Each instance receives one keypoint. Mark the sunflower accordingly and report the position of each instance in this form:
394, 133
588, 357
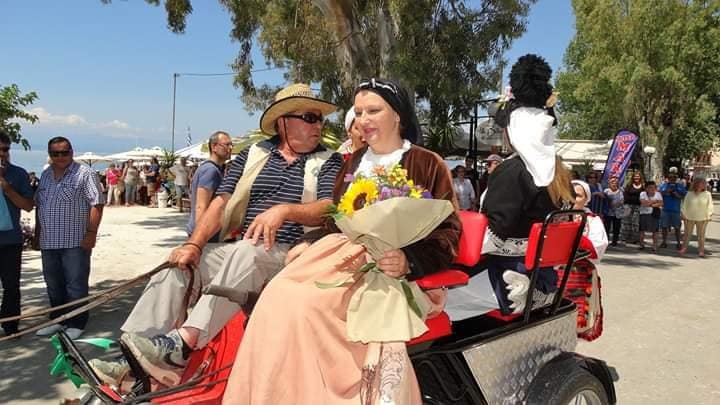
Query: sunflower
361, 193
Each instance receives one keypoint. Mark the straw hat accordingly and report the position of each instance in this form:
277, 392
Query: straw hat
292, 98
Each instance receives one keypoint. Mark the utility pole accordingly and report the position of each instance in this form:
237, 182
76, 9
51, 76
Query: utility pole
172, 145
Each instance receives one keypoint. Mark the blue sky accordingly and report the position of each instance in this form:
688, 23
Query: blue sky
103, 73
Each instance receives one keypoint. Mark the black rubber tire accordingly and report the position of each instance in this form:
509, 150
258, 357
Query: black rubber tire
559, 383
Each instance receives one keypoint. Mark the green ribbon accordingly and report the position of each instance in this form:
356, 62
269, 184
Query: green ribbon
372, 267
61, 364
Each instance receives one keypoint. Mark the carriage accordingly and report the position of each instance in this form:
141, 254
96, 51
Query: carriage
525, 358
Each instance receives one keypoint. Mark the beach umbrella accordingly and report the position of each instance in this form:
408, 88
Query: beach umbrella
137, 154
90, 158
155, 152
195, 151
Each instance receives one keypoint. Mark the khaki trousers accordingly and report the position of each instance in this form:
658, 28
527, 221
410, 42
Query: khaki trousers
240, 265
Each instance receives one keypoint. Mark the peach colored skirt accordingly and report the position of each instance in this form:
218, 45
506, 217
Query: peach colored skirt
295, 350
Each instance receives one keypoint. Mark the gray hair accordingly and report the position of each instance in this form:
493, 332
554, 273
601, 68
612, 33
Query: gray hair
215, 138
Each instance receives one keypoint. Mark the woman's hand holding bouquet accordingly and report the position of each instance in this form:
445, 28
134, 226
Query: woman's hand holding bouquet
384, 213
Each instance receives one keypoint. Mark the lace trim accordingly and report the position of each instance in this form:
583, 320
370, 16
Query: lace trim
495, 245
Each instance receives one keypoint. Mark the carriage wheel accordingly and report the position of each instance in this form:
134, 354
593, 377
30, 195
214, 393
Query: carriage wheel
558, 384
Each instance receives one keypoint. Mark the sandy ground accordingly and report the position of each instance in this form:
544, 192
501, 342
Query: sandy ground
662, 323
131, 241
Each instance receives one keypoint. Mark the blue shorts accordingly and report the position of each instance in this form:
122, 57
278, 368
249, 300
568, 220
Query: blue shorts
670, 219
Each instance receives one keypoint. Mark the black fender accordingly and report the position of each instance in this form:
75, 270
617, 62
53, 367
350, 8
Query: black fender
596, 367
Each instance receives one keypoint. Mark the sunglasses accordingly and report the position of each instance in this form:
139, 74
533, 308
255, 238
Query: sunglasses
310, 118
58, 153
4, 148
375, 84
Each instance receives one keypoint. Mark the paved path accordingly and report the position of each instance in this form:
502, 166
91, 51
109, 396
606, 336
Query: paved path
662, 323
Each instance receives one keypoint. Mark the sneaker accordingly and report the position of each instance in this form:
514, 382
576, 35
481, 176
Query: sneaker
162, 356
74, 333
110, 372
49, 330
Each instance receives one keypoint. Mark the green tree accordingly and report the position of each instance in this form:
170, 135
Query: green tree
447, 52
646, 65
12, 102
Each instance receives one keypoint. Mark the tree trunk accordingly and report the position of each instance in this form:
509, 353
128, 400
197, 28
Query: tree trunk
354, 55
655, 135
351, 52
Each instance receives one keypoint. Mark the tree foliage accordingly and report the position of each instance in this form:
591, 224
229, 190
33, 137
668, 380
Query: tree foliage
647, 65
447, 52
12, 102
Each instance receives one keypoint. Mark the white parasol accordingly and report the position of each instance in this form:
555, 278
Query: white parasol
90, 158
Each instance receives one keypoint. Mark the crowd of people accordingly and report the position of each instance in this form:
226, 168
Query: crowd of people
129, 183
643, 208
631, 213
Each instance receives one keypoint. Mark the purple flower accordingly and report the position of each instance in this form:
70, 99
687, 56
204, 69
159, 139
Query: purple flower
385, 193
426, 194
349, 178
396, 193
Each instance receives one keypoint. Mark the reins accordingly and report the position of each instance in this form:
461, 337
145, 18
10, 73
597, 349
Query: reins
93, 301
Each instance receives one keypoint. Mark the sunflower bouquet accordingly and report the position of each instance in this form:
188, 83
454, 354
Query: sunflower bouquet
383, 185
382, 212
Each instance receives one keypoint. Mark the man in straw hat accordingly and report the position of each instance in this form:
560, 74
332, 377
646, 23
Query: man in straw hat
271, 191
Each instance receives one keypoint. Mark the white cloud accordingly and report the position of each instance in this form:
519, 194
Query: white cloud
117, 124
47, 118
79, 124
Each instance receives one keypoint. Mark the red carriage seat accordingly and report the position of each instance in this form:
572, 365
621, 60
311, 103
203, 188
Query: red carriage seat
211, 362
557, 246
469, 254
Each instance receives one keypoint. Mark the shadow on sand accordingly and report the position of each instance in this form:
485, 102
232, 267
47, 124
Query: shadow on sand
25, 363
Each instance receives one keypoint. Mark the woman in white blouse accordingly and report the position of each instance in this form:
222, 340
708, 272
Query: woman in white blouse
464, 190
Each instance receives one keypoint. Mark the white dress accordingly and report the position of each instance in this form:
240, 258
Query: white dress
464, 192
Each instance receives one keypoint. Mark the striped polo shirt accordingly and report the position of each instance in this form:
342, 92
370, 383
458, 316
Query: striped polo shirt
280, 183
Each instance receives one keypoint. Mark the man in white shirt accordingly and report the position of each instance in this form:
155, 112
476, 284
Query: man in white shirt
180, 171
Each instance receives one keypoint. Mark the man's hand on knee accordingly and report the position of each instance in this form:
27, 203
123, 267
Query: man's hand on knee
266, 225
185, 256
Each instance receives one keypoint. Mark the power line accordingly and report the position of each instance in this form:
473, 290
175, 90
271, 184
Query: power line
176, 75
226, 73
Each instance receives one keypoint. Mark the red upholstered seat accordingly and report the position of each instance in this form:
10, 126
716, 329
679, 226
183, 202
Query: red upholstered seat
557, 247
438, 327
469, 254
220, 352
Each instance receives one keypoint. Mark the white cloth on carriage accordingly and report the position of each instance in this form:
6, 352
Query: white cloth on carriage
478, 296
595, 232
